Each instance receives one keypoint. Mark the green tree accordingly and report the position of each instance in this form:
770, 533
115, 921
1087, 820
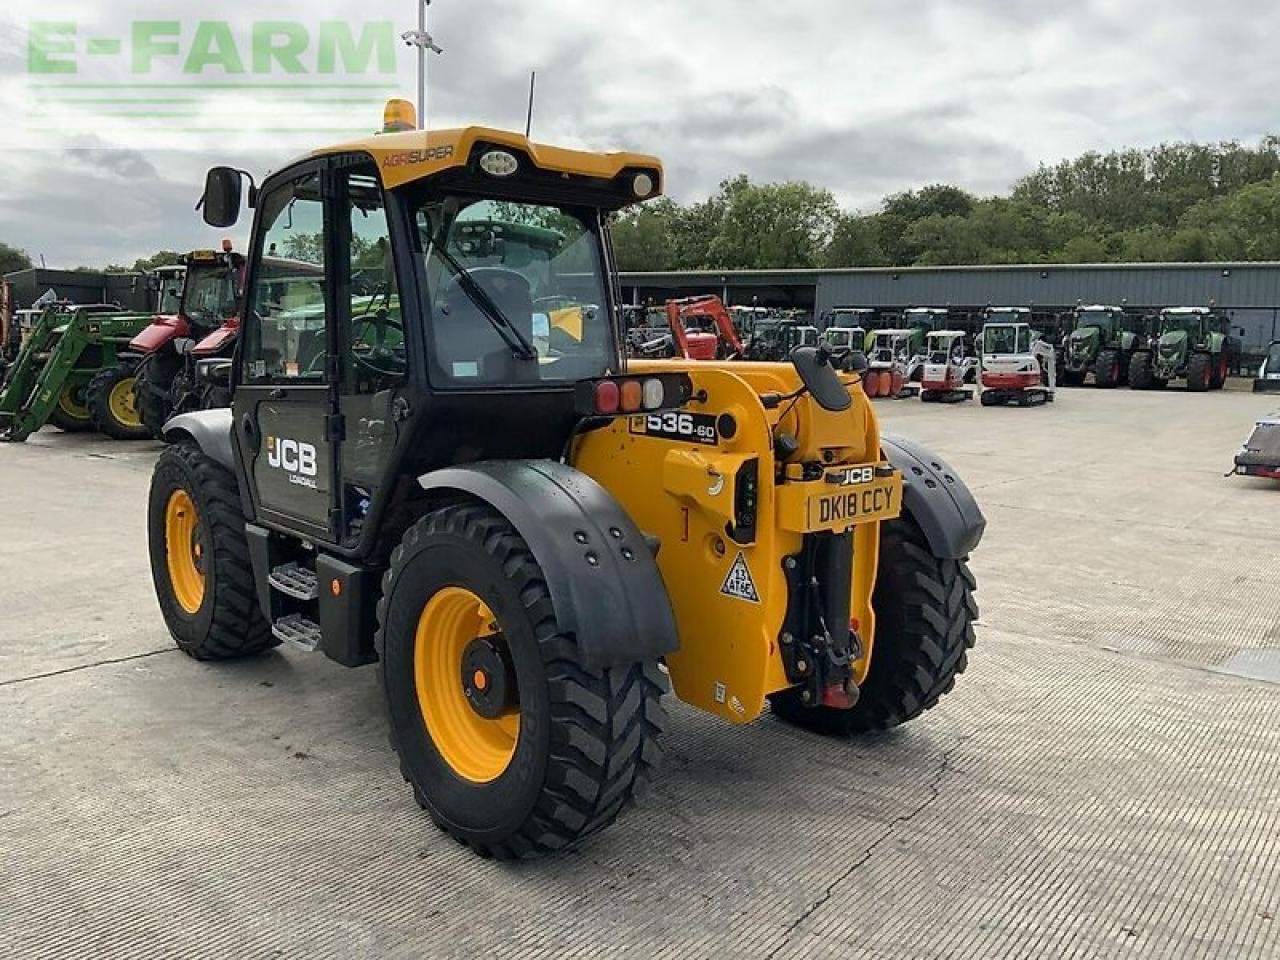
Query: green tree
164, 258
773, 225
855, 242
1244, 225
11, 259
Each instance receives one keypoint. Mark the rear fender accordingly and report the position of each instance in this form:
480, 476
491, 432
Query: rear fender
616, 607
217, 342
158, 333
937, 499
210, 430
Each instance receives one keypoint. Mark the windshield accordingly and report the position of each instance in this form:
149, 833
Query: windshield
1102, 319
540, 267
210, 293
1189, 322
999, 340
1273, 359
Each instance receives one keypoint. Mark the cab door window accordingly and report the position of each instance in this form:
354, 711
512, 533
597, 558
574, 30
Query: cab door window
285, 339
374, 356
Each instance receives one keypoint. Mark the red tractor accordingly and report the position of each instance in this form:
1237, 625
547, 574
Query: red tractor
703, 329
205, 327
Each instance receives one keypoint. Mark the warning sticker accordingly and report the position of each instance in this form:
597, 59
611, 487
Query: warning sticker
738, 582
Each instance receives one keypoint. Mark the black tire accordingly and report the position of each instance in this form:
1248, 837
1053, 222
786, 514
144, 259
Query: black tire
925, 612
65, 420
154, 380
1198, 372
228, 623
1073, 378
587, 741
101, 411
1106, 369
1220, 369
1141, 376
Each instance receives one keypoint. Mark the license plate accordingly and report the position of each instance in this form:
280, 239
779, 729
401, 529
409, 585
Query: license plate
835, 505
847, 506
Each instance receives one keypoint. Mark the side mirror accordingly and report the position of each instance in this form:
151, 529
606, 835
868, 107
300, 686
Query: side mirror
221, 200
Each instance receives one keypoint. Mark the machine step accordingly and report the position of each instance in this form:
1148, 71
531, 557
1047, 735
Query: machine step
294, 580
298, 630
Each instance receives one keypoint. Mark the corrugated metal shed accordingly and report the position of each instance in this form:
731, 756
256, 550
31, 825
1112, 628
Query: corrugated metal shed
1248, 292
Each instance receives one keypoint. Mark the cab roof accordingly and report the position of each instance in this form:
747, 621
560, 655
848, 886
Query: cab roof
416, 154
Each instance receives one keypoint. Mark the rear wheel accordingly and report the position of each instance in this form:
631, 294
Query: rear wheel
511, 742
71, 412
924, 629
1106, 369
154, 380
1141, 376
112, 407
1199, 372
200, 558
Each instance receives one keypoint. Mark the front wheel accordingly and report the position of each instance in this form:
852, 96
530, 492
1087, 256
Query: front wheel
1199, 374
1106, 369
925, 612
70, 413
512, 743
1141, 376
200, 558
112, 407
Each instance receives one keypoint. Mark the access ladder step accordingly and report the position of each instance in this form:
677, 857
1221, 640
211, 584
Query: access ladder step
298, 630
294, 580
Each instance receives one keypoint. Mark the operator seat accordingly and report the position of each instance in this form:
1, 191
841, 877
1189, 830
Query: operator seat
465, 345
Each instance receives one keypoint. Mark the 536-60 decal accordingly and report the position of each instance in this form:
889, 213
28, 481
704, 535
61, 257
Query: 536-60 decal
690, 427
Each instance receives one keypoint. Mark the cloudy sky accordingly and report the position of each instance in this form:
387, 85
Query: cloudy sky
865, 97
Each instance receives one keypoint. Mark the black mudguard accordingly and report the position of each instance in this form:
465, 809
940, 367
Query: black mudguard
936, 498
617, 606
209, 429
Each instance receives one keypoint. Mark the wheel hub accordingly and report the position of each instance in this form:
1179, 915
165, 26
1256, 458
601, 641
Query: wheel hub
487, 677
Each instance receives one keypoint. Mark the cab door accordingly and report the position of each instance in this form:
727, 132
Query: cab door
284, 406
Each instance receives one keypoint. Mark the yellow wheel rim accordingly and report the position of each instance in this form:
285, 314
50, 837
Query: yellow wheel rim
184, 551
478, 748
71, 401
120, 402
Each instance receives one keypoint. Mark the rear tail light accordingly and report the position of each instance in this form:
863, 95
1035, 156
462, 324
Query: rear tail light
606, 397
653, 394
632, 396
627, 395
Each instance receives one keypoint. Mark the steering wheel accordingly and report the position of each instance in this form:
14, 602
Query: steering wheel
379, 359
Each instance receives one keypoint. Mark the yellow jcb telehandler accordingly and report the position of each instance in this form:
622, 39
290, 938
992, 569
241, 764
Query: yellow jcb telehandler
438, 459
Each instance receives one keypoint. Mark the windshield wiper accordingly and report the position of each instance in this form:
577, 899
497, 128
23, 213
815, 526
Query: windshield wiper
516, 341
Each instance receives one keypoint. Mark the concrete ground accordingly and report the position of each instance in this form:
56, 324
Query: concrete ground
1103, 782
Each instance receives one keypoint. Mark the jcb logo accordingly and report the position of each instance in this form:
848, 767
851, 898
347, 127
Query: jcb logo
292, 456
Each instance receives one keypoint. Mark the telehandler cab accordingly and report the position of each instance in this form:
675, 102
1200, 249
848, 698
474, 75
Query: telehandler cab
530, 535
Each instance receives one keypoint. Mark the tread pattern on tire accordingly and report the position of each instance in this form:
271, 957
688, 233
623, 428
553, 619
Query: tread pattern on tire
238, 627
1198, 373
911, 676
605, 723
1141, 376
98, 396
152, 407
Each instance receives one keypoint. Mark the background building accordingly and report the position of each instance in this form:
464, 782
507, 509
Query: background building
1249, 293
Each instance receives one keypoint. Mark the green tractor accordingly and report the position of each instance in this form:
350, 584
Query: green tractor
920, 322
1102, 343
1190, 342
68, 373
